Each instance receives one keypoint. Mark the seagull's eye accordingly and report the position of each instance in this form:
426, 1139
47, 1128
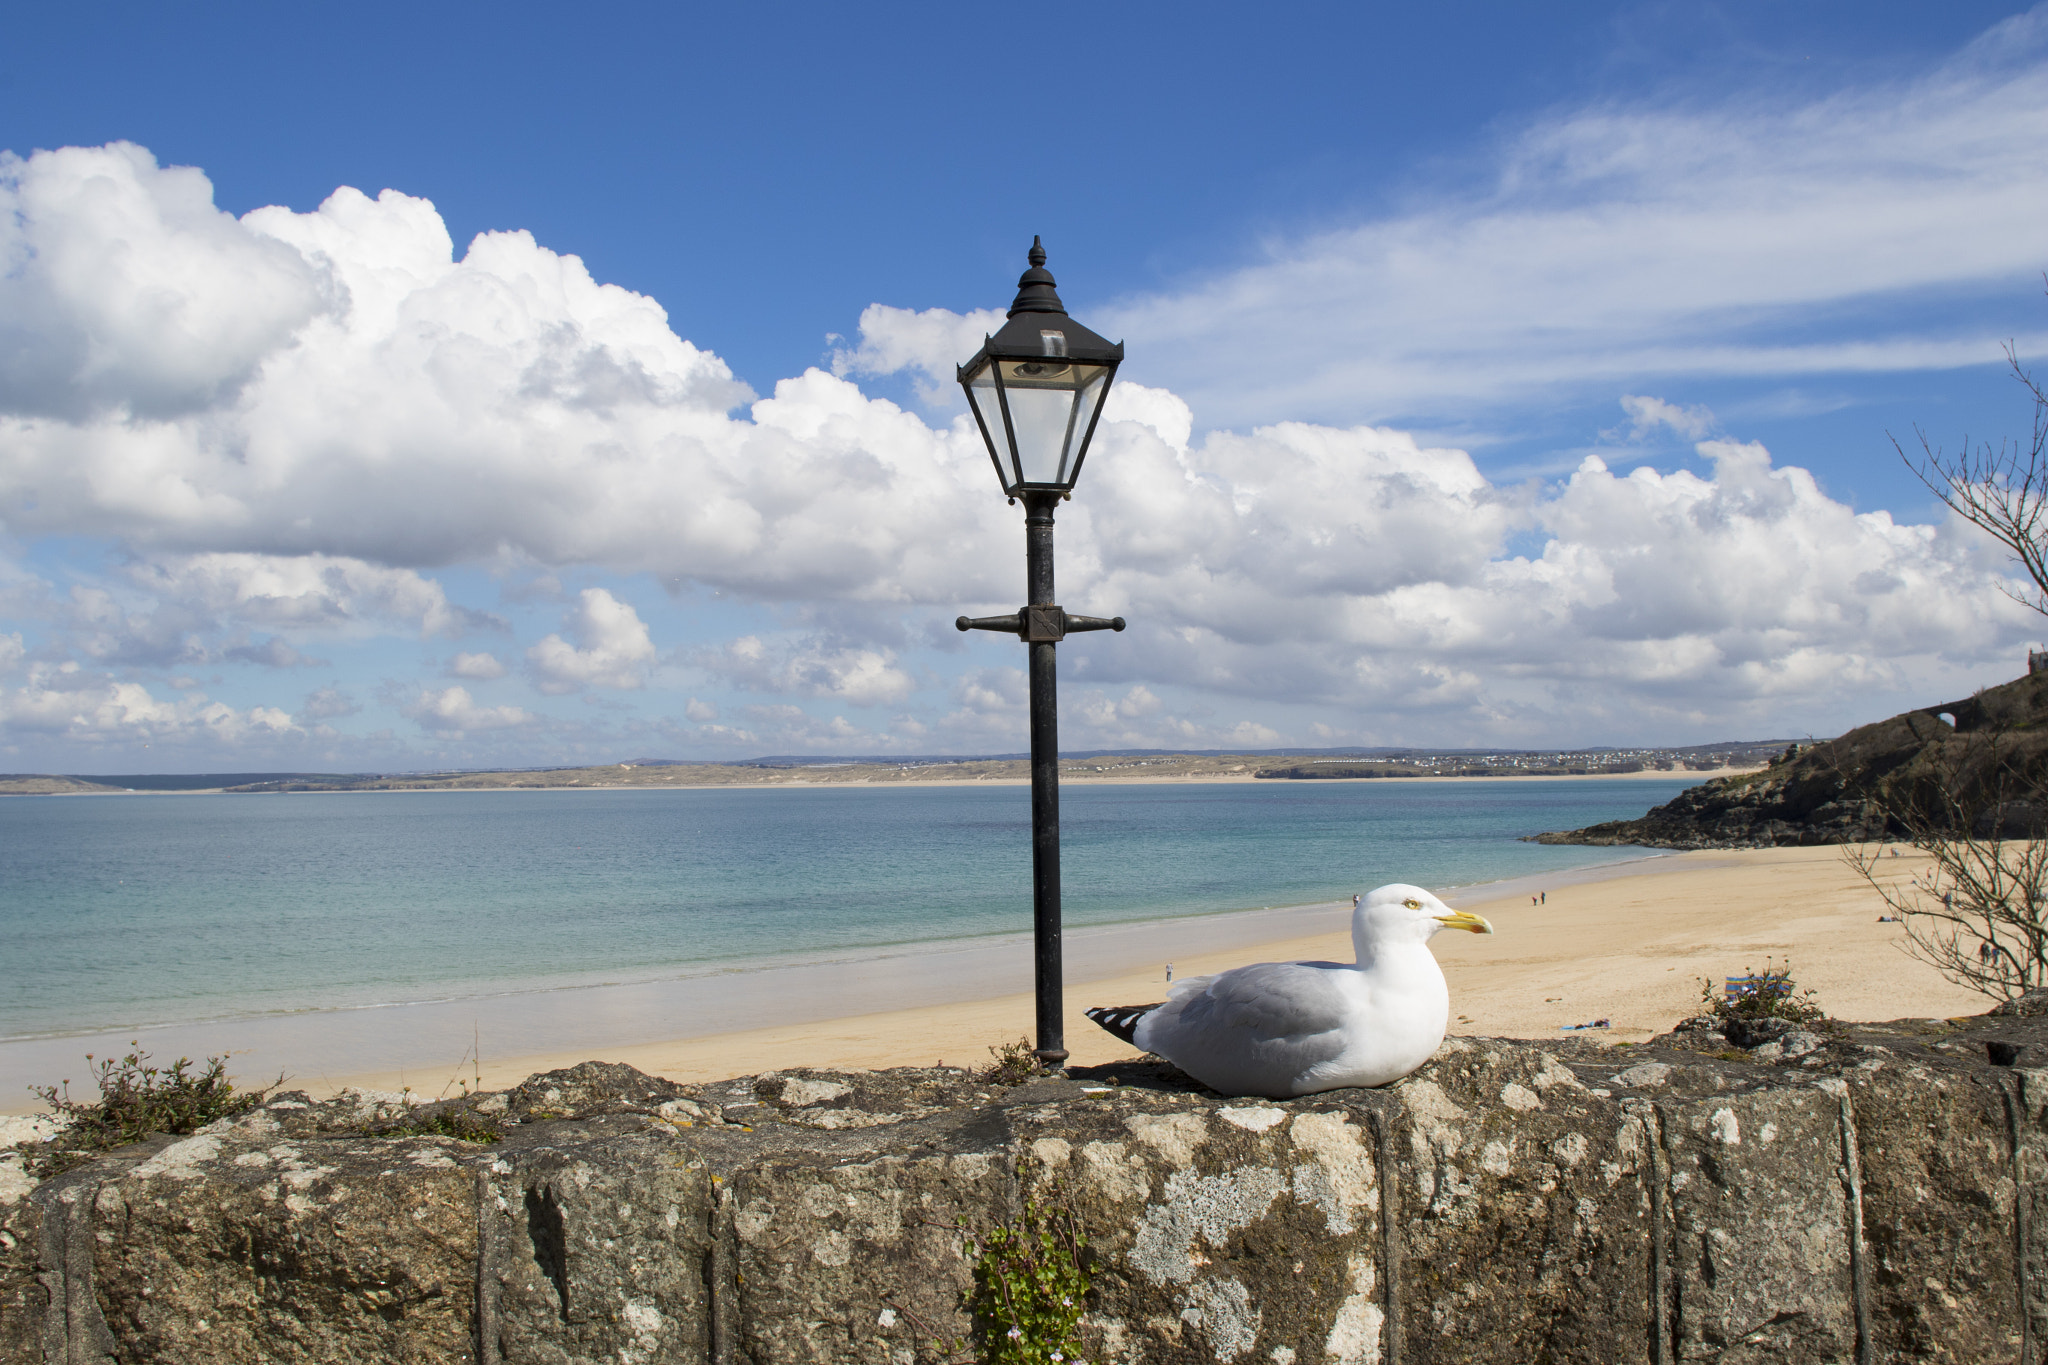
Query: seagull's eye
1412, 904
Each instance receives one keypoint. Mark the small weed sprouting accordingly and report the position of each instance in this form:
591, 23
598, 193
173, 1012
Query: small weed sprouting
136, 1100
413, 1119
1031, 1286
1768, 994
1014, 1064
463, 1123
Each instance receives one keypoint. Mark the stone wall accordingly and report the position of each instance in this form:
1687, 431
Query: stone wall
1878, 1200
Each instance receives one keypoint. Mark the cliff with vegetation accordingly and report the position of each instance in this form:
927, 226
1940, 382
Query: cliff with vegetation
1864, 1193
1983, 761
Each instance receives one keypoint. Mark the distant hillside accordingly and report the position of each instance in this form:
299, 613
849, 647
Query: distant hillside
1148, 765
1537, 762
1986, 756
58, 784
49, 784
760, 773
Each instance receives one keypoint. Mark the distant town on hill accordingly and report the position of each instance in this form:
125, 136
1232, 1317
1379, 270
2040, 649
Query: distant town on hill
1125, 765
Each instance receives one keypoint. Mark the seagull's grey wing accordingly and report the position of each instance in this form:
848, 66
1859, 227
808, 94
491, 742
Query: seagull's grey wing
1273, 1000
1255, 1029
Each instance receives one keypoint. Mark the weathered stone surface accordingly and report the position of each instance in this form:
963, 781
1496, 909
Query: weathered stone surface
1220, 1230
1882, 1198
1760, 1228
23, 1296
586, 1090
1522, 1211
312, 1250
2028, 1098
2027, 1005
594, 1245
1756, 1032
1937, 1193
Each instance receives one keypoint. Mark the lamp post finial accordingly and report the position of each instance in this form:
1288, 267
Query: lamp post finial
1035, 291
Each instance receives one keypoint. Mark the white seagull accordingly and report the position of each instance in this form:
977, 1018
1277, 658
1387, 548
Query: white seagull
1293, 1028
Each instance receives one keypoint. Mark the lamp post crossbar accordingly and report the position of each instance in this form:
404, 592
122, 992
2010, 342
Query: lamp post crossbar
1050, 630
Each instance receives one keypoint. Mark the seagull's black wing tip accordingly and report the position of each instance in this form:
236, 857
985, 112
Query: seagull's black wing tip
1121, 1020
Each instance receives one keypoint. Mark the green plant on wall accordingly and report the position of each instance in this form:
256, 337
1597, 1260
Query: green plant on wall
136, 1100
1031, 1286
1014, 1064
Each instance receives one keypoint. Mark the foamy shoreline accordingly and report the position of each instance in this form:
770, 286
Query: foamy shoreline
1627, 940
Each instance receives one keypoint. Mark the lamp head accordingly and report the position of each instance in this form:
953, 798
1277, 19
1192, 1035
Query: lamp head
1037, 387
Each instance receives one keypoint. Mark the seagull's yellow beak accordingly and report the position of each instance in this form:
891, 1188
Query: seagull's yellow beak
1459, 919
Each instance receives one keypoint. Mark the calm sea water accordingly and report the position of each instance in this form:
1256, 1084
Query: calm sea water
122, 911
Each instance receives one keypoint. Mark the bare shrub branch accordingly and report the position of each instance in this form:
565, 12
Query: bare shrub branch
2002, 491
1977, 911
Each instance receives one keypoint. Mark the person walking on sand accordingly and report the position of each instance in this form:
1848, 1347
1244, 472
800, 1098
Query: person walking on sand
1543, 898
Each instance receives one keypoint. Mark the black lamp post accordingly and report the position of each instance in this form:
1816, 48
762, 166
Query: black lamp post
1037, 388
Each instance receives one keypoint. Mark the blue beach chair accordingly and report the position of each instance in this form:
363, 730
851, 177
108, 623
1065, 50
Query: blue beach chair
1740, 986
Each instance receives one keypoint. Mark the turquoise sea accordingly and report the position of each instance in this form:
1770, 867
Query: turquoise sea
123, 912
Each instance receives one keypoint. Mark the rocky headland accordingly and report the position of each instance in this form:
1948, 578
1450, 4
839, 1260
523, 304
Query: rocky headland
1851, 1193
1983, 760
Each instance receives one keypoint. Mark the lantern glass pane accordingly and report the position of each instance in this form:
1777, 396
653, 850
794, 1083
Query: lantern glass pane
1051, 401
1093, 386
1043, 419
981, 392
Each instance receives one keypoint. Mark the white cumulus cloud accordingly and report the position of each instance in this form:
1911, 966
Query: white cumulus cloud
328, 703
932, 343
307, 592
1648, 415
410, 409
71, 703
610, 647
171, 611
479, 667
378, 408
452, 708
124, 292
857, 674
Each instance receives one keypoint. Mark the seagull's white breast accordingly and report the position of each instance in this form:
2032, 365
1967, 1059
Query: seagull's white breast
1398, 1023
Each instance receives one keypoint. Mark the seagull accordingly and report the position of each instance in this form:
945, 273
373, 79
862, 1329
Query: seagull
1281, 1029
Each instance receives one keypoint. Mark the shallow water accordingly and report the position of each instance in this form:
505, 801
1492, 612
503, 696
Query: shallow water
123, 912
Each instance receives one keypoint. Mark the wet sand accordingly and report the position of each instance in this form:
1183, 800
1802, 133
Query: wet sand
1628, 942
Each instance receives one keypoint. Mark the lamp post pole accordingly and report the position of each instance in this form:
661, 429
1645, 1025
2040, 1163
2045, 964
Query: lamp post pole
1037, 388
1045, 786
1042, 624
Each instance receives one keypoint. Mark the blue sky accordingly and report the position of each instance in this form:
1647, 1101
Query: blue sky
669, 462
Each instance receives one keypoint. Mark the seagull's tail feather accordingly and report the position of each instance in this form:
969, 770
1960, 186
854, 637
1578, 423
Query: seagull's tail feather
1121, 1020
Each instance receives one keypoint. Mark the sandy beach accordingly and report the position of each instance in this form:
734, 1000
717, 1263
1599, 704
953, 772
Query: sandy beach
1629, 943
